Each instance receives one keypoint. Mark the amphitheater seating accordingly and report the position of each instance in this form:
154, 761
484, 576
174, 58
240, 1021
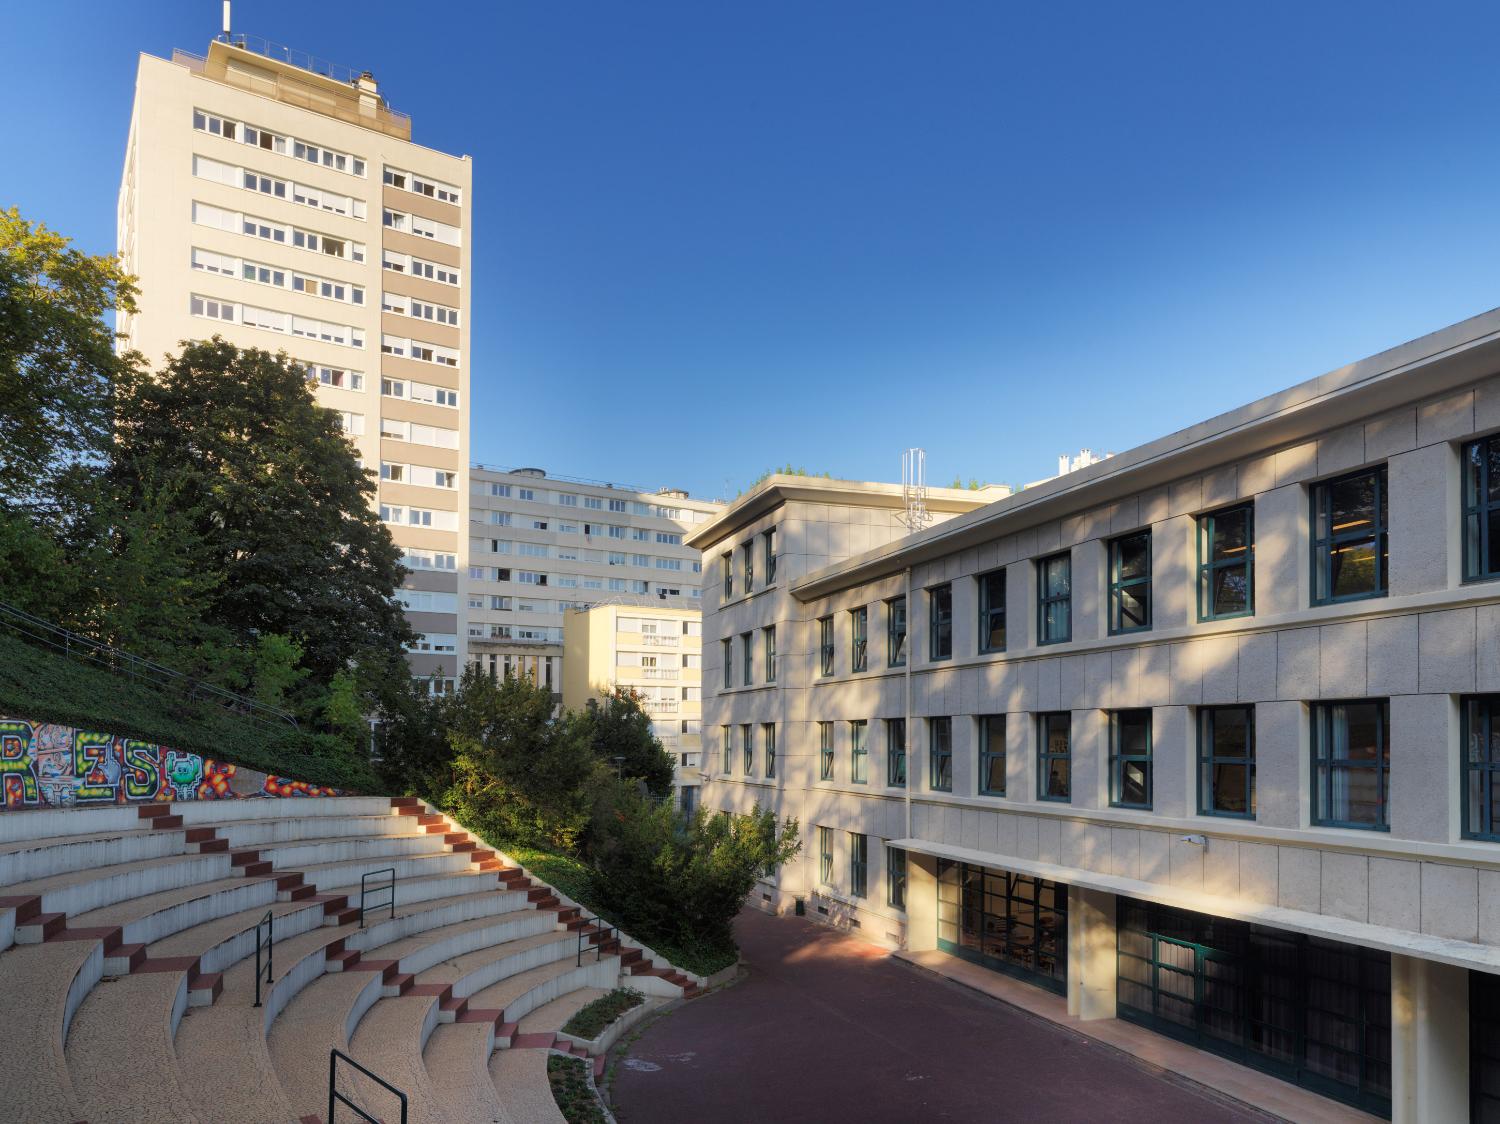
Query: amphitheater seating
130, 939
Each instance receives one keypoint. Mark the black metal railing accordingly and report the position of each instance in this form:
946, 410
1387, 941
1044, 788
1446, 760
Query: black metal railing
605, 933
81, 648
265, 973
367, 891
336, 1097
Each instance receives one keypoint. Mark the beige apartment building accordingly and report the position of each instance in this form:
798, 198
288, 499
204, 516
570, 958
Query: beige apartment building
280, 202
540, 546
1203, 738
655, 651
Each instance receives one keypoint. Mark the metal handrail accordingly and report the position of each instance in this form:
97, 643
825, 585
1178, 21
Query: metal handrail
335, 1096
605, 933
267, 973
365, 890
75, 646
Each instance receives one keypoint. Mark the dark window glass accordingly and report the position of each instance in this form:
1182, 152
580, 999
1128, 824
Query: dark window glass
1351, 764
1130, 759
992, 611
825, 751
747, 653
1054, 753
1130, 583
895, 632
940, 754
859, 752
859, 625
1481, 766
1008, 922
1226, 761
770, 738
728, 649
992, 755
895, 752
940, 622
825, 645
728, 748
728, 576
859, 864
747, 555
747, 740
1349, 537
770, 646
1482, 509
895, 877
1054, 592
825, 855
769, 541
1226, 563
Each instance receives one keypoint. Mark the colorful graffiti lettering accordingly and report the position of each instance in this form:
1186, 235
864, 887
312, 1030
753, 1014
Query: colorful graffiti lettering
17, 776
46, 765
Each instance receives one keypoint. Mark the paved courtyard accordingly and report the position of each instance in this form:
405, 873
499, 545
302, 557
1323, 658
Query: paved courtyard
829, 1028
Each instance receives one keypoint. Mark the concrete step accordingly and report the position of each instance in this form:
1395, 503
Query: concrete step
80, 891
34, 986
520, 1077
457, 1061
26, 860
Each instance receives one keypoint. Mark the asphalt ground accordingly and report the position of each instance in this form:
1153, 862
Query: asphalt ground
825, 1027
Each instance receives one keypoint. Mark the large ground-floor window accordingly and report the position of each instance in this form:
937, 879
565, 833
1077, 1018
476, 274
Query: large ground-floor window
1484, 1048
1312, 1011
1005, 921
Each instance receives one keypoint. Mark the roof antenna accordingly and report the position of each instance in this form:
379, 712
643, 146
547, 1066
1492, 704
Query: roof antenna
914, 489
226, 21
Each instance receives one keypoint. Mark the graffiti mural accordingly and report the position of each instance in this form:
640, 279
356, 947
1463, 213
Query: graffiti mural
43, 765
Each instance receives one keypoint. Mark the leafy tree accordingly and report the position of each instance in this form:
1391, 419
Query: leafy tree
518, 774
57, 367
620, 734
276, 504
683, 882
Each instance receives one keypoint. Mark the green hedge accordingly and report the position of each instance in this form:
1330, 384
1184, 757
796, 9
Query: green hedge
45, 686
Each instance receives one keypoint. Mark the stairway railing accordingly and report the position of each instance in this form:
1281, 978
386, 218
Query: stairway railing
387, 885
266, 972
334, 1096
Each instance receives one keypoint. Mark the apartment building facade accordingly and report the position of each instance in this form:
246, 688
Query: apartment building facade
540, 546
655, 651
1204, 737
279, 202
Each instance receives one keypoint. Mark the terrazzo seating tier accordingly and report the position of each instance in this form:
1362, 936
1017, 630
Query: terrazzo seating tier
128, 960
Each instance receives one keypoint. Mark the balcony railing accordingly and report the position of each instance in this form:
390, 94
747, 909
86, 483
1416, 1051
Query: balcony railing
660, 672
651, 641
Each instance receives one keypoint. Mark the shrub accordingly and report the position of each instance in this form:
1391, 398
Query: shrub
571, 1090
591, 1020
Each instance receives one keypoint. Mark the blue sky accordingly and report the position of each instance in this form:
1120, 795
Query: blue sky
735, 235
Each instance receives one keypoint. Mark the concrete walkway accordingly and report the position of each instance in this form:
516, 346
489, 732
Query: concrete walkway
829, 1028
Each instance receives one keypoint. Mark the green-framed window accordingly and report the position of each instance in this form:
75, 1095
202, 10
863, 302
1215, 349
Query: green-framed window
895, 632
747, 557
1007, 922
747, 745
1130, 583
1351, 764
825, 751
859, 864
1310, 1011
727, 647
895, 752
1350, 543
940, 754
1226, 761
768, 735
728, 748
728, 562
1481, 766
825, 855
859, 635
747, 658
1054, 756
768, 642
992, 755
1130, 759
895, 877
1481, 467
992, 611
1226, 563
859, 751
768, 547
940, 622
825, 646
1054, 599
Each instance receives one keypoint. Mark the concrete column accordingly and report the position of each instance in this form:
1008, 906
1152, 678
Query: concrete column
1092, 958
921, 902
1429, 1041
